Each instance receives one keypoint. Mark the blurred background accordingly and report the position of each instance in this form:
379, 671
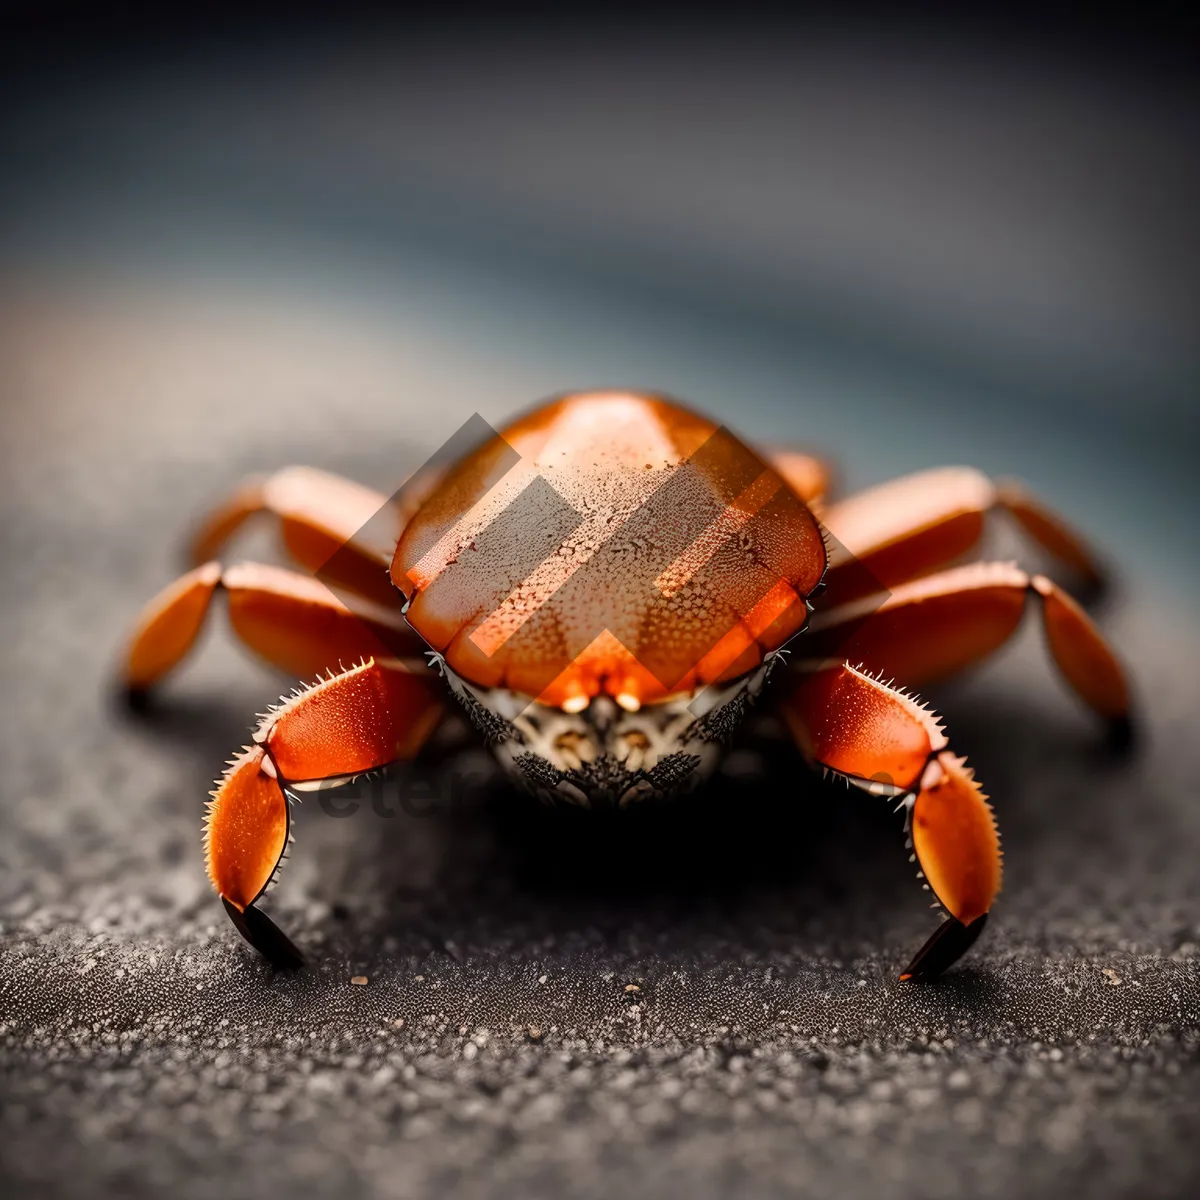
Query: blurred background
906, 242
237, 237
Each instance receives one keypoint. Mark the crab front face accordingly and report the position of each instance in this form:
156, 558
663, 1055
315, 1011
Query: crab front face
605, 755
604, 583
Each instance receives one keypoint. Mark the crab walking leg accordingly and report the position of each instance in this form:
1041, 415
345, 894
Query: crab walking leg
374, 714
907, 527
808, 476
345, 531
291, 620
929, 628
885, 741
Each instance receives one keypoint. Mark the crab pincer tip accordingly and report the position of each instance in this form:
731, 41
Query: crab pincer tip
949, 942
265, 936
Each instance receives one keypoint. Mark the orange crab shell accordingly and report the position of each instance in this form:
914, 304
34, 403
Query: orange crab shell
608, 543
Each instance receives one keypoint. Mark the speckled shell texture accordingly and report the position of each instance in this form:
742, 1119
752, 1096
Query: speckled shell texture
608, 543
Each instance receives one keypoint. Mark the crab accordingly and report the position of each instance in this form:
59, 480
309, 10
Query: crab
606, 586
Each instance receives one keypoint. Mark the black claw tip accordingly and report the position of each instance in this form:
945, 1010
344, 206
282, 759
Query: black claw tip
135, 699
1122, 734
950, 941
265, 936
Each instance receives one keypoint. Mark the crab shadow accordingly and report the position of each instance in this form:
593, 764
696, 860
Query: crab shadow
770, 861
201, 730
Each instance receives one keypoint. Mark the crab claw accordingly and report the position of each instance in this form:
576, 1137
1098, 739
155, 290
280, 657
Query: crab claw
849, 722
342, 726
246, 836
955, 840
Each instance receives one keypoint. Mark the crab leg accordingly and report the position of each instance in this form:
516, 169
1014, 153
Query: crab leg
908, 527
345, 531
929, 628
374, 714
886, 742
808, 476
291, 620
